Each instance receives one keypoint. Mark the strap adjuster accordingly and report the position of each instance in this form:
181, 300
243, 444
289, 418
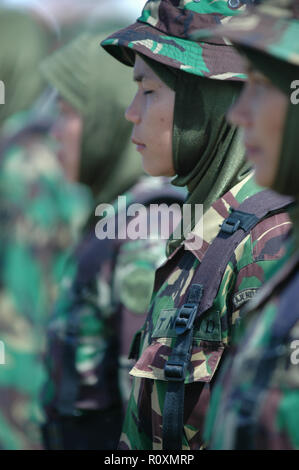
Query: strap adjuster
184, 320
230, 225
238, 220
175, 371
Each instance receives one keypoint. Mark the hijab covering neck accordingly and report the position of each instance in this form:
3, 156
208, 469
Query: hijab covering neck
286, 181
99, 89
282, 74
208, 153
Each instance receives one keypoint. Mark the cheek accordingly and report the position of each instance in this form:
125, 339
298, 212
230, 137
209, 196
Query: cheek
75, 127
166, 121
160, 124
165, 130
273, 125
73, 133
158, 157
270, 126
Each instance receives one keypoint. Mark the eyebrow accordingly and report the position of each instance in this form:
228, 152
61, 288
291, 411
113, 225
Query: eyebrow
139, 77
250, 69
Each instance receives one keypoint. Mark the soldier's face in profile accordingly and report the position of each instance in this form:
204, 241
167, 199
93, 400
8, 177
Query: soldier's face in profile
151, 113
261, 112
67, 131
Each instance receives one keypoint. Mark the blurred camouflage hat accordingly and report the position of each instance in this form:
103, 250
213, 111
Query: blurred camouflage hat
163, 30
271, 27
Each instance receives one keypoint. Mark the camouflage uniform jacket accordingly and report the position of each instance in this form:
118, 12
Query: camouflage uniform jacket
258, 254
104, 297
40, 217
255, 402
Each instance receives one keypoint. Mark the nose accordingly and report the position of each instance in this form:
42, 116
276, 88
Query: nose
132, 113
240, 112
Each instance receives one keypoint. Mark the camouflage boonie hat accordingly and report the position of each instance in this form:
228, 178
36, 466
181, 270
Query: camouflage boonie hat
163, 30
272, 28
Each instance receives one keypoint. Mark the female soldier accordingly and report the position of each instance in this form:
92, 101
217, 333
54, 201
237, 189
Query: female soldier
180, 129
255, 402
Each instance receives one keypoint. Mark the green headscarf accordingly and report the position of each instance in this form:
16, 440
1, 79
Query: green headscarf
99, 89
208, 154
281, 75
24, 44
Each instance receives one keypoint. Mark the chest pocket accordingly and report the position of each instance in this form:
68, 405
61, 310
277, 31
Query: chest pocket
207, 347
206, 328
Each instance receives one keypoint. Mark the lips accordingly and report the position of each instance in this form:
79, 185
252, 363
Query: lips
251, 150
139, 145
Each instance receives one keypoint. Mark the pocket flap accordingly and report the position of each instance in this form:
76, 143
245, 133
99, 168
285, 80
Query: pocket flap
201, 368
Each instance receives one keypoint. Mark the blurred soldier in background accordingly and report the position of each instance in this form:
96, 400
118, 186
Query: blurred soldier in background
41, 214
108, 283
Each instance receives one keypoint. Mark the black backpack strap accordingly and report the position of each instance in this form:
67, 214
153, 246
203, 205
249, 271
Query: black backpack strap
175, 370
201, 295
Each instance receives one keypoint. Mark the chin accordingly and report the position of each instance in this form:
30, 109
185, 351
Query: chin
262, 179
156, 171
151, 170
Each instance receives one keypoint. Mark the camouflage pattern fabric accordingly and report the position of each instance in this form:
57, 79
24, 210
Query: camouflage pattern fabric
271, 28
104, 297
271, 420
40, 217
163, 30
259, 254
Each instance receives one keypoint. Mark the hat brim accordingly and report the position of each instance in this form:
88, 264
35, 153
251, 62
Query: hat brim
260, 30
204, 59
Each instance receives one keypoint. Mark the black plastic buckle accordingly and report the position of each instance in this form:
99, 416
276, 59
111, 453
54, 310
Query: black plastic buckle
238, 219
185, 319
230, 225
175, 371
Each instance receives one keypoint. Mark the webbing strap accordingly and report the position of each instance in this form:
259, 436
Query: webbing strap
250, 400
68, 391
175, 371
203, 290
287, 316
